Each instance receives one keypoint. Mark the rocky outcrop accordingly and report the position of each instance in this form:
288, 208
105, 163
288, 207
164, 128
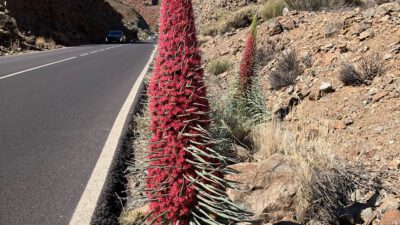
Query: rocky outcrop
267, 188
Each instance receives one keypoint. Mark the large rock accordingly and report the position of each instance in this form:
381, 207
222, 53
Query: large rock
267, 188
390, 7
274, 27
391, 217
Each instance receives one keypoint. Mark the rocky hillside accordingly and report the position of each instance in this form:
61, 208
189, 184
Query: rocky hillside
74, 22
11, 39
358, 126
149, 9
321, 144
65, 23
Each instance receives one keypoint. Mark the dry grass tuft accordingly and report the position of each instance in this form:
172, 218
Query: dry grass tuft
228, 21
218, 66
272, 9
325, 182
348, 75
371, 66
47, 43
314, 5
131, 218
287, 71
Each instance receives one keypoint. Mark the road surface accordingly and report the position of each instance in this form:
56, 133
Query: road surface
56, 111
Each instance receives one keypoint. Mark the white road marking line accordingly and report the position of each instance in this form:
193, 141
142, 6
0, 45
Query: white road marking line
35, 68
101, 50
85, 54
88, 202
94, 52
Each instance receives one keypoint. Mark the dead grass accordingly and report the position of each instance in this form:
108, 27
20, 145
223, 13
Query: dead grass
287, 71
325, 181
218, 66
314, 5
229, 21
272, 9
370, 66
47, 43
131, 218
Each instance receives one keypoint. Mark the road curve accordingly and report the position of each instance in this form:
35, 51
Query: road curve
56, 111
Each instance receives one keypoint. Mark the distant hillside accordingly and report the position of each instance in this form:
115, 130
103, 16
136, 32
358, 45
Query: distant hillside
71, 22
149, 9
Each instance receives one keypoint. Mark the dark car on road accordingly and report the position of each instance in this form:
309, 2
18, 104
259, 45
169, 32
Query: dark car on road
115, 36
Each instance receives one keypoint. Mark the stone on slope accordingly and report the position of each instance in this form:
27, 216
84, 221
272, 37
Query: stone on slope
267, 188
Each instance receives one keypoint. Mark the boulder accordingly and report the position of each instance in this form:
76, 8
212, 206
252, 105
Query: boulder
288, 24
391, 217
390, 7
326, 87
274, 27
267, 188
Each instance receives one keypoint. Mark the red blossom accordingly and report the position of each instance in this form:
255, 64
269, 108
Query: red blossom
248, 59
177, 95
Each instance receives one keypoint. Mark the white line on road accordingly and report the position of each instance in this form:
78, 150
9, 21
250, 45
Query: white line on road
35, 68
94, 52
88, 202
85, 54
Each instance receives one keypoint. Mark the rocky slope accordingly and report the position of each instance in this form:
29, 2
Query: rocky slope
11, 39
65, 22
332, 154
149, 9
361, 125
75, 22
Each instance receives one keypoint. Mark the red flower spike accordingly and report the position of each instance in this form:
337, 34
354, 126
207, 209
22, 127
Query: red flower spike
248, 59
181, 172
178, 63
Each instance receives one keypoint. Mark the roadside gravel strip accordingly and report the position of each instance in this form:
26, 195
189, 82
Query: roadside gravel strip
98, 194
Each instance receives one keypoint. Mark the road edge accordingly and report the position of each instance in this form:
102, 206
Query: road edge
89, 200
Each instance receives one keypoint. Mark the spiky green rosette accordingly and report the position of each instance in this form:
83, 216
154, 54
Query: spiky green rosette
185, 175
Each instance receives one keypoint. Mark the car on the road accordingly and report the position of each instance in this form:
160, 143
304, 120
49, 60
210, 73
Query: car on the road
115, 36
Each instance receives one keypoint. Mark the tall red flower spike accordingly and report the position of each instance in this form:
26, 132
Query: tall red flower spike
248, 59
184, 175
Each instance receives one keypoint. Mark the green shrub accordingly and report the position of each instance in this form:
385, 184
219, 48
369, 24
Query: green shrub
218, 66
272, 8
235, 116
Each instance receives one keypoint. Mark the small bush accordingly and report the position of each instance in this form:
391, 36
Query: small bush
239, 19
217, 67
235, 116
371, 66
287, 71
314, 5
242, 18
42, 42
349, 75
272, 8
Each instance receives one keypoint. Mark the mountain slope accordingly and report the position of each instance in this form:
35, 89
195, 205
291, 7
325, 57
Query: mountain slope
71, 22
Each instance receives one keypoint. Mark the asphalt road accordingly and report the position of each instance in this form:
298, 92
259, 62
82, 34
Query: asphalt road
56, 111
